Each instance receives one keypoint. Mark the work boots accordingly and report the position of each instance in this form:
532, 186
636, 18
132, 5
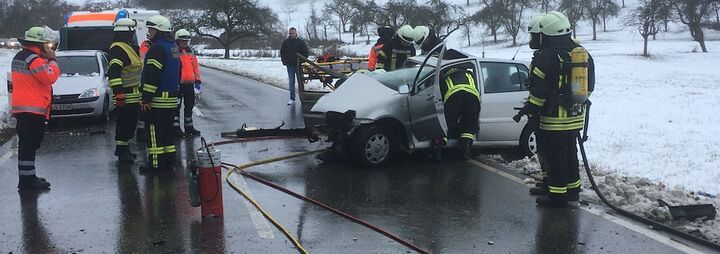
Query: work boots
552, 200
33, 183
124, 155
466, 148
573, 195
179, 133
191, 131
539, 189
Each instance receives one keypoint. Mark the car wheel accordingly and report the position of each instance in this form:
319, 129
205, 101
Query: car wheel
528, 141
373, 146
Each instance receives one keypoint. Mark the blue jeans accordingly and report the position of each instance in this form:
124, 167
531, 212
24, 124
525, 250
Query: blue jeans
291, 70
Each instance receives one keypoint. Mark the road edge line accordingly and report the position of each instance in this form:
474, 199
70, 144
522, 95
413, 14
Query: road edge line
263, 228
663, 239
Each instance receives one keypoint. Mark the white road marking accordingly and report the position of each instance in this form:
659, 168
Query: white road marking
631, 225
196, 111
263, 228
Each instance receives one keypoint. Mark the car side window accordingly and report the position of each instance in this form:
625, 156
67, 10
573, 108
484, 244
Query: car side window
503, 77
104, 62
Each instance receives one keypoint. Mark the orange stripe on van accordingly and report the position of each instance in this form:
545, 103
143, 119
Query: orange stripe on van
92, 17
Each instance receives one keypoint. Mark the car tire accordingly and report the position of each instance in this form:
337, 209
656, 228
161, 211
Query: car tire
373, 146
528, 141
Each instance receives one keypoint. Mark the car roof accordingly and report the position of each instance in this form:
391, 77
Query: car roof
464, 57
78, 52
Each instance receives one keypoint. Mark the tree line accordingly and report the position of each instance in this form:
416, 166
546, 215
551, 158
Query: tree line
229, 21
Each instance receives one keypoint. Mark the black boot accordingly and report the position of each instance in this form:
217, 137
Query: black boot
179, 133
33, 183
466, 147
191, 131
552, 200
573, 195
123, 154
540, 189
329, 155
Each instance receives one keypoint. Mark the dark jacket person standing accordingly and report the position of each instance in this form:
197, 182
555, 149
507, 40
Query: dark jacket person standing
290, 47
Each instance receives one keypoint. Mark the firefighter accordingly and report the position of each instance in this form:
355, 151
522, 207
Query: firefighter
34, 70
540, 188
189, 81
141, 136
161, 82
397, 50
560, 116
124, 71
385, 33
462, 107
426, 39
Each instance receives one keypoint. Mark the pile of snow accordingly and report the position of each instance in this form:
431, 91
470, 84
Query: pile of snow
638, 195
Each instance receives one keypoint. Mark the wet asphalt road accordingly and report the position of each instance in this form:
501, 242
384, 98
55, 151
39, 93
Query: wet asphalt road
99, 206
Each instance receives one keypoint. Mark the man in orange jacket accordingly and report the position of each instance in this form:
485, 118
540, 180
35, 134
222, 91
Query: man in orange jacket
189, 82
34, 71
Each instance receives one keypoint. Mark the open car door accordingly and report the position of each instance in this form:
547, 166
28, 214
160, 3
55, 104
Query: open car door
425, 105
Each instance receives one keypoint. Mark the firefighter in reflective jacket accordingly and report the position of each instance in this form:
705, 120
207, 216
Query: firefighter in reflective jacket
34, 71
560, 122
161, 80
124, 74
189, 82
397, 50
462, 107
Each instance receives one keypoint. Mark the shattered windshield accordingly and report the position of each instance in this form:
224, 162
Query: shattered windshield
406, 76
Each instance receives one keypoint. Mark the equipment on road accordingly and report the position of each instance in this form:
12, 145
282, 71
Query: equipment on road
204, 181
690, 212
253, 132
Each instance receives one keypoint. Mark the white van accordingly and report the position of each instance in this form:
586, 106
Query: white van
93, 30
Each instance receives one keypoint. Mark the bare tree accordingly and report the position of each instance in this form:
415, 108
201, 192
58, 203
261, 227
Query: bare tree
363, 18
343, 9
575, 10
611, 9
513, 18
441, 17
598, 10
646, 19
692, 13
491, 16
327, 21
228, 21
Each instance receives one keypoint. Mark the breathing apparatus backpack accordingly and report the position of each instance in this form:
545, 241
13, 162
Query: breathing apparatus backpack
576, 88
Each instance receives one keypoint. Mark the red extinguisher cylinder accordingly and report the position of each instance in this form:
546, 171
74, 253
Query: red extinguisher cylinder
210, 181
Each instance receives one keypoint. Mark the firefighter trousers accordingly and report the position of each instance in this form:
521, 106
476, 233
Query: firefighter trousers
462, 111
559, 152
160, 138
126, 122
31, 132
187, 96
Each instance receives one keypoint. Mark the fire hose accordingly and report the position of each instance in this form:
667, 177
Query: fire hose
241, 169
654, 224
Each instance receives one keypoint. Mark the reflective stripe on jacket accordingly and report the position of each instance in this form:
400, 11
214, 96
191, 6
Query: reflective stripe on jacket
190, 70
458, 80
129, 77
32, 77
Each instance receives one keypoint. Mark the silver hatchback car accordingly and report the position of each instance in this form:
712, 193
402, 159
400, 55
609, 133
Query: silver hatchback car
82, 90
372, 116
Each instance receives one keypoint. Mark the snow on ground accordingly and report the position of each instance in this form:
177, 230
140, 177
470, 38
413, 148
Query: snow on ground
638, 195
6, 56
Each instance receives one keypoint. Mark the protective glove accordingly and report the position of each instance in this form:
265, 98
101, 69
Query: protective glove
144, 106
120, 99
197, 87
519, 115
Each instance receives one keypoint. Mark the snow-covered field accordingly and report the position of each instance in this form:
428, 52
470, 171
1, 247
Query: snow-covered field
651, 117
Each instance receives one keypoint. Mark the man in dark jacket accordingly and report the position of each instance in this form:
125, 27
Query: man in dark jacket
290, 47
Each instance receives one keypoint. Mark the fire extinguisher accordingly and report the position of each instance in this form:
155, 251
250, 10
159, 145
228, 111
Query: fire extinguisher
205, 181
